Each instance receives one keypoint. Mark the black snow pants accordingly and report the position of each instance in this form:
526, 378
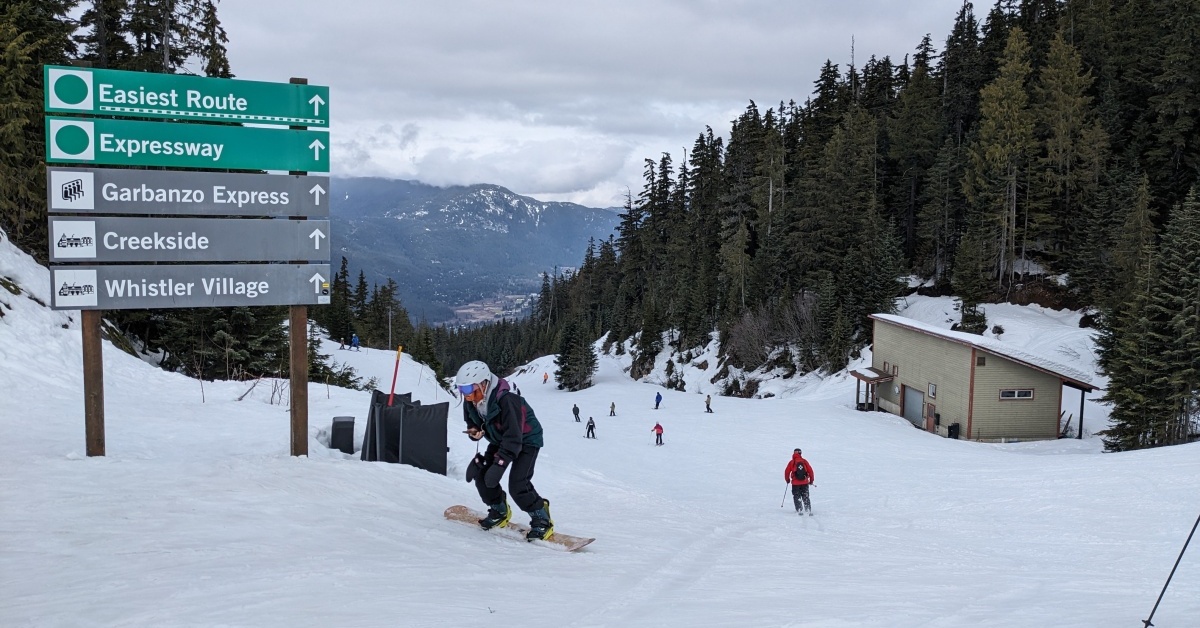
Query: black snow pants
800, 495
520, 483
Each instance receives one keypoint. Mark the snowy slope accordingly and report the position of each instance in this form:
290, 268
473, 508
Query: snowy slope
199, 517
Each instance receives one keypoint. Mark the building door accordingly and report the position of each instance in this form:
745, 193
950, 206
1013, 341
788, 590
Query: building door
914, 406
930, 417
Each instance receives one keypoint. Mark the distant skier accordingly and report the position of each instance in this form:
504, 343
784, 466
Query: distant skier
492, 411
657, 429
657, 399
800, 474
575, 411
342, 343
591, 428
354, 342
612, 409
708, 404
545, 377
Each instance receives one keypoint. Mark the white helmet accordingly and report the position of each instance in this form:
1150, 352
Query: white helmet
472, 372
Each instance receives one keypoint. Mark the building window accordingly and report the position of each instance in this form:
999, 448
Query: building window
895, 370
980, 360
933, 391
1016, 393
887, 367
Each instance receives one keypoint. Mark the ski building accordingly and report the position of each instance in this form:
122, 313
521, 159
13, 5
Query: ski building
961, 385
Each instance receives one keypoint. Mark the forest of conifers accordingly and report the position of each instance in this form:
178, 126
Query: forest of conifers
1048, 152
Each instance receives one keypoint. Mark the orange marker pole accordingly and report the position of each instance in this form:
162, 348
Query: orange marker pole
395, 370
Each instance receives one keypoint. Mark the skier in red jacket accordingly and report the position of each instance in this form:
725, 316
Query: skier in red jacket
800, 475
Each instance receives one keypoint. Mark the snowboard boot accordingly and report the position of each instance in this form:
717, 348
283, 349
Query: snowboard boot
498, 516
540, 525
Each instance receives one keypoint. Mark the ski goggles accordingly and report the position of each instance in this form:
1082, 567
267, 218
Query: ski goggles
467, 389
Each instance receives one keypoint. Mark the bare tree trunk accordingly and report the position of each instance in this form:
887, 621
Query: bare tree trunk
168, 9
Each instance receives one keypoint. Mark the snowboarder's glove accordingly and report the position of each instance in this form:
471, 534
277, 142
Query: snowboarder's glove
475, 468
495, 471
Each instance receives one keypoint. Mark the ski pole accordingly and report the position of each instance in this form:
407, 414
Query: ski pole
1146, 622
784, 501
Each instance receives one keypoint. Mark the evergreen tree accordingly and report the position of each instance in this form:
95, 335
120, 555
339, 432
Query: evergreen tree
915, 130
941, 214
1065, 186
1176, 302
962, 74
1130, 359
970, 277
106, 44
1001, 152
32, 33
576, 361
211, 40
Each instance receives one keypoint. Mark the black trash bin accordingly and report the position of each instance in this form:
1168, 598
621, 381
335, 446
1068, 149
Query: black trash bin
341, 434
952, 430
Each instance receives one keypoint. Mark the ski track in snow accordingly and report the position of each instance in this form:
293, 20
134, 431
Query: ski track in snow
198, 516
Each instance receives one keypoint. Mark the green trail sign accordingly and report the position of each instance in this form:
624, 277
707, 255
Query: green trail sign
175, 145
149, 95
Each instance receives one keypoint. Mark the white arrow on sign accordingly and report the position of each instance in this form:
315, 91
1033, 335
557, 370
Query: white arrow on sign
316, 146
317, 191
316, 235
316, 102
317, 280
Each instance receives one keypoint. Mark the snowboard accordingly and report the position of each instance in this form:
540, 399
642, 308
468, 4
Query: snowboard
515, 530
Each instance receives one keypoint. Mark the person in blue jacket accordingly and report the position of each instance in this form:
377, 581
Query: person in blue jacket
493, 411
657, 399
354, 342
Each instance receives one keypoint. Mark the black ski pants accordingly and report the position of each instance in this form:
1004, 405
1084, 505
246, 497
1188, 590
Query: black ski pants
799, 495
591, 431
520, 482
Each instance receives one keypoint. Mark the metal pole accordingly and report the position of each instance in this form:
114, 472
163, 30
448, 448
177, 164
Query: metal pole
784, 500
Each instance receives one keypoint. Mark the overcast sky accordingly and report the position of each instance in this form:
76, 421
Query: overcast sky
559, 99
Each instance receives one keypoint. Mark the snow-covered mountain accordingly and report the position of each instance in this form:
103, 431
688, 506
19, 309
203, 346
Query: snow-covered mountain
197, 515
450, 246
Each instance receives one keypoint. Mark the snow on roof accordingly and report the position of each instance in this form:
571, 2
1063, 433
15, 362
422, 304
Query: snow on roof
991, 346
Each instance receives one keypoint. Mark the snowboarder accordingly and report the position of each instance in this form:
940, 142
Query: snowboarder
657, 429
657, 399
575, 411
800, 474
708, 404
545, 377
354, 342
492, 411
612, 409
591, 428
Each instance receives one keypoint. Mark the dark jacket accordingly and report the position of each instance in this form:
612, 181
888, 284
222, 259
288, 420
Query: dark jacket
789, 476
510, 424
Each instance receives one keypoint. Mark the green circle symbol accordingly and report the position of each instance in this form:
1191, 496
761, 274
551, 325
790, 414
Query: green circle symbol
71, 139
70, 89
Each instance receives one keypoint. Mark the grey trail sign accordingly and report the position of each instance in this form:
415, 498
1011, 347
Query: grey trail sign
167, 286
104, 239
174, 192
180, 145
148, 95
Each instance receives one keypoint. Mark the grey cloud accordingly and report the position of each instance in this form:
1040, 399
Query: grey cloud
633, 74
